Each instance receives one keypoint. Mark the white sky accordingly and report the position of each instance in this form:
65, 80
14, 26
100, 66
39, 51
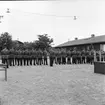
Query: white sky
26, 26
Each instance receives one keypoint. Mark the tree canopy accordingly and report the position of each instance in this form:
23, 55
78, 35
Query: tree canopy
43, 42
5, 41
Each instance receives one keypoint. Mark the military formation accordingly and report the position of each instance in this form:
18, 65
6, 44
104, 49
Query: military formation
56, 56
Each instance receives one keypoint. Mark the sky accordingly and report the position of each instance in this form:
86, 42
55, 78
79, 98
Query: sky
27, 19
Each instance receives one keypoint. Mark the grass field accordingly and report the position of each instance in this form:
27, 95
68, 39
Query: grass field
57, 85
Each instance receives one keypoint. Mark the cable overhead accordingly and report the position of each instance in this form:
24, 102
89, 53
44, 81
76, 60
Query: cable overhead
43, 14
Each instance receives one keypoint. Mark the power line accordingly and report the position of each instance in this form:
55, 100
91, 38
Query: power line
51, 15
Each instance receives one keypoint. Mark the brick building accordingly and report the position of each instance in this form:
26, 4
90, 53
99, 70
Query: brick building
96, 42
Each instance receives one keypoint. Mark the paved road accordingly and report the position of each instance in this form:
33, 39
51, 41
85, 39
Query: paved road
58, 85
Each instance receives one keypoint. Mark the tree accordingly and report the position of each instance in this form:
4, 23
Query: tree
43, 42
5, 41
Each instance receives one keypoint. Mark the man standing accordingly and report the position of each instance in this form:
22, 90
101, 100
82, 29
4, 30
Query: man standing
45, 57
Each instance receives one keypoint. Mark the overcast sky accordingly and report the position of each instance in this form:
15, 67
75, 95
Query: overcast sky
23, 24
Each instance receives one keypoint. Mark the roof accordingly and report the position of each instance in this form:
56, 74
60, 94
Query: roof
18, 41
90, 40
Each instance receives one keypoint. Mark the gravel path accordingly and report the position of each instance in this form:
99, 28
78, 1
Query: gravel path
58, 85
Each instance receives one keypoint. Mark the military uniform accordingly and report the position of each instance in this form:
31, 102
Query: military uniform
78, 55
4, 56
68, 57
11, 57
45, 58
34, 57
30, 57
51, 56
40, 54
74, 57
83, 57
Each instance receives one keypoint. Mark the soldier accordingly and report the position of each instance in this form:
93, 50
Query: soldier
87, 57
78, 58
45, 57
5, 53
30, 57
74, 57
92, 57
2, 55
11, 57
68, 57
16, 57
34, 53
24, 57
21, 57
51, 56
63, 54
40, 54
59, 57
27, 57
83, 57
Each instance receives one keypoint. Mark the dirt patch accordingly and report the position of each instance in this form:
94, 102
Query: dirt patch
58, 85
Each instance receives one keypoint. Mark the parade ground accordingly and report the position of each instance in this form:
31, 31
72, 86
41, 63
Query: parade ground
57, 85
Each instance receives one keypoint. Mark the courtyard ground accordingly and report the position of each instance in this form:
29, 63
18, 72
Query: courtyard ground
57, 85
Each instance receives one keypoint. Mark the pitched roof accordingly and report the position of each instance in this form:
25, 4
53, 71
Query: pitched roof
95, 39
18, 41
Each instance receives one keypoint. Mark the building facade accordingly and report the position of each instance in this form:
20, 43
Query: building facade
93, 42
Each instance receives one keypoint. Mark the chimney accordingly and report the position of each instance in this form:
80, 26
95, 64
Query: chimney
76, 38
92, 35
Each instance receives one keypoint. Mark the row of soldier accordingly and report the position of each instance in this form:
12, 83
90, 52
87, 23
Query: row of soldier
39, 57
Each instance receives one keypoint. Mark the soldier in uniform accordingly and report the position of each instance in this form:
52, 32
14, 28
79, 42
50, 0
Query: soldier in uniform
87, 57
92, 57
30, 57
51, 56
56, 53
11, 57
24, 58
21, 57
74, 57
27, 57
68, 57
59, 57
45, 57
78, 57
4, 54
63, 54
16, 58
83, 56
34, 57
40, 54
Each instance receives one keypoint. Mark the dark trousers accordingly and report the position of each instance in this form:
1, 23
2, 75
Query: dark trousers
68, 60
63, 60
45, 61
51, 61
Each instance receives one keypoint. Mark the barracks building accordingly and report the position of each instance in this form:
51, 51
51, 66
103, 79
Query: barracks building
96, 42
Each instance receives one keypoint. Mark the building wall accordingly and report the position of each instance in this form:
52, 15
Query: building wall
102, 47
